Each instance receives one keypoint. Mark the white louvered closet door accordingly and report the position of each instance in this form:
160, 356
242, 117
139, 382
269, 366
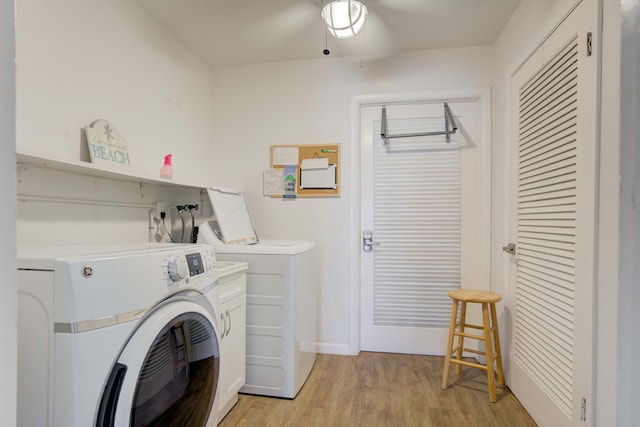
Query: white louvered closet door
420, 200
552, 272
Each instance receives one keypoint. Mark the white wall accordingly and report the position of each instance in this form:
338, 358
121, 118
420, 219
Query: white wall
8, 318
120, 212
78, 61
628, 296
309, 102
618, 341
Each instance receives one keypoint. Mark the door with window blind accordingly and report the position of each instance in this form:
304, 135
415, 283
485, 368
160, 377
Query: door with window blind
553, 211
424, 201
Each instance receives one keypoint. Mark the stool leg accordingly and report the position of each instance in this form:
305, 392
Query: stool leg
488, 352
460, 345
496, 343
448, 353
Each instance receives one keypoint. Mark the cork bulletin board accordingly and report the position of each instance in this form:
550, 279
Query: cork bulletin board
317, 168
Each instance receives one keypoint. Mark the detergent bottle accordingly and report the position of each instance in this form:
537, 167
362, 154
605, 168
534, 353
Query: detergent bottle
166, 171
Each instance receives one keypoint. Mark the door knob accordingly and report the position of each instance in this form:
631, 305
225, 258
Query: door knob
510, 248
367, 241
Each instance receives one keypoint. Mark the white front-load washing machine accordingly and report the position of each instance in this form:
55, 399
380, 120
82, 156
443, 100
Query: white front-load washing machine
117, 335
281, 296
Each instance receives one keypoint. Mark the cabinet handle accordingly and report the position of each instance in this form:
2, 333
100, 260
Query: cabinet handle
224, 325
228, 317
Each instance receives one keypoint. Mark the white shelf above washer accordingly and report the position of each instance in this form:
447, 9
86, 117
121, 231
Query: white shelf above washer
89, 169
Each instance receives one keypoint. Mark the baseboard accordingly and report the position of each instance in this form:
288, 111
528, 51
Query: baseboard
333, 348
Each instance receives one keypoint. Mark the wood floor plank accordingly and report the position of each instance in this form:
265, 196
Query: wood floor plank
383, 389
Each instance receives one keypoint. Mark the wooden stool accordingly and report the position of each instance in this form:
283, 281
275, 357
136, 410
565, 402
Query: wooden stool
492, 350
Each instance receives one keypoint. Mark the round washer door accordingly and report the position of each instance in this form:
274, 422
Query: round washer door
167, 374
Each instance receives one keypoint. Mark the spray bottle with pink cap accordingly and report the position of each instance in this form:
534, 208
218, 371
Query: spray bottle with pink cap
166, 171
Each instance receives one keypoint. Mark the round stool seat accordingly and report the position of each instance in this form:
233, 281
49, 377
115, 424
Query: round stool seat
475, 295
460, 329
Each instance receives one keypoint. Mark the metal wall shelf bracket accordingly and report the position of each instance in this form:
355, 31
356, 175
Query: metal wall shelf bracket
450, 127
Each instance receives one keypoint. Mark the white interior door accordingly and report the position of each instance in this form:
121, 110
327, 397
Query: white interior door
551, 281
425, 202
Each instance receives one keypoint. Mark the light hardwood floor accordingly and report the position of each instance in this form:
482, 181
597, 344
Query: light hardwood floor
383, 390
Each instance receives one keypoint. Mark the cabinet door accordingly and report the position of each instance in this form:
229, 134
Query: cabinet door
234, 343
232, 375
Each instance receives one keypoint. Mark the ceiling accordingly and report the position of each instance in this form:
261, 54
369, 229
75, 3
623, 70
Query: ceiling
234, 32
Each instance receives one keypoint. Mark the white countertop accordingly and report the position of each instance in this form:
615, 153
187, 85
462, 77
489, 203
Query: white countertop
227, 268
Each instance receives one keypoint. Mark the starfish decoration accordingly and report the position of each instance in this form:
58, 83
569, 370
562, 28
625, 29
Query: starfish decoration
109, 132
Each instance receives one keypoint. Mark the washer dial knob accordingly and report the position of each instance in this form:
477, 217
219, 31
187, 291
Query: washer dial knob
178, 269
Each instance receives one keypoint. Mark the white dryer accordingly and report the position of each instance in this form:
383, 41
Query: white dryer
118, 334
281, 296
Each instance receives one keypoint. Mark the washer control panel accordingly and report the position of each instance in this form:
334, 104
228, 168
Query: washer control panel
190, 264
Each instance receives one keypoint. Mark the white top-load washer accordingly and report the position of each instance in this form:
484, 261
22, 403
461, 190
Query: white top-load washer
117, 334
281, 296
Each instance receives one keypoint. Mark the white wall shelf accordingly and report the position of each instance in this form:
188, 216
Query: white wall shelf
89, 169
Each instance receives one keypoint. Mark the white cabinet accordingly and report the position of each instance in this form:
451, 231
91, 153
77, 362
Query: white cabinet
233, 321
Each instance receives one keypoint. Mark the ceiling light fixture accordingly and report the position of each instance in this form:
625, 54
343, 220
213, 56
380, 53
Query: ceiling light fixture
344, 18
